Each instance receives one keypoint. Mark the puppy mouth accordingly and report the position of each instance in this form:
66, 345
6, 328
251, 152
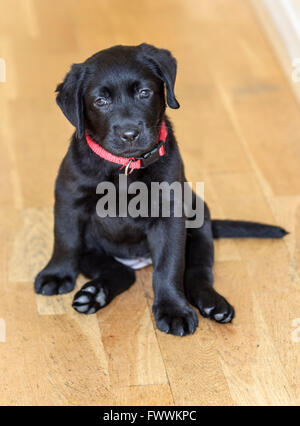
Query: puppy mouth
131, 150
136, 149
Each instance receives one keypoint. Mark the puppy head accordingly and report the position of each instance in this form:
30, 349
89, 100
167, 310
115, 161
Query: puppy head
118, 96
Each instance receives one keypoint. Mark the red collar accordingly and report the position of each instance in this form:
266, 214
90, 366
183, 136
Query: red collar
133, 162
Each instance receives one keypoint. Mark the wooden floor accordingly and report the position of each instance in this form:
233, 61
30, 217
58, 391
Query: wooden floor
239, 132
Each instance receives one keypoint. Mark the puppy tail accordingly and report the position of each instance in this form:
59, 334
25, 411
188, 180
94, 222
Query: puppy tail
243, 229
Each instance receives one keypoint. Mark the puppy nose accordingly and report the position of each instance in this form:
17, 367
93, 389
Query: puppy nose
129, 135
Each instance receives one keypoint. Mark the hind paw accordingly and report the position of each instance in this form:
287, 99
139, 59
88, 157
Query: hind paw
213, 306
90, 299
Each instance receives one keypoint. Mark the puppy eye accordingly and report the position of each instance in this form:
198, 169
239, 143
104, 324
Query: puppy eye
145, 93
101, 102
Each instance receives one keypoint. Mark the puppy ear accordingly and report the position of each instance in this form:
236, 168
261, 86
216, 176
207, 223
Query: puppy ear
164, 66
70, 97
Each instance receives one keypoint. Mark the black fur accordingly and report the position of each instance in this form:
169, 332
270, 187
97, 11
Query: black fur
105, 96
242, 229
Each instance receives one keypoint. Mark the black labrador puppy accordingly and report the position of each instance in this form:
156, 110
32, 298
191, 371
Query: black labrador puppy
116, 101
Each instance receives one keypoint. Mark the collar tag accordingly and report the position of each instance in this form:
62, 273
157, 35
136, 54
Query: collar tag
127, 167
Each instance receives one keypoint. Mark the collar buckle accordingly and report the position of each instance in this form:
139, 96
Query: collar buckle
127, 167
150, 156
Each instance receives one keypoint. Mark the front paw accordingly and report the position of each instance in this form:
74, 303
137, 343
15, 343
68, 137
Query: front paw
49, 283
175, 318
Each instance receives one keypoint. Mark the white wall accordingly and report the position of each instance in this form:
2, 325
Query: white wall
285, 15
281, 21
